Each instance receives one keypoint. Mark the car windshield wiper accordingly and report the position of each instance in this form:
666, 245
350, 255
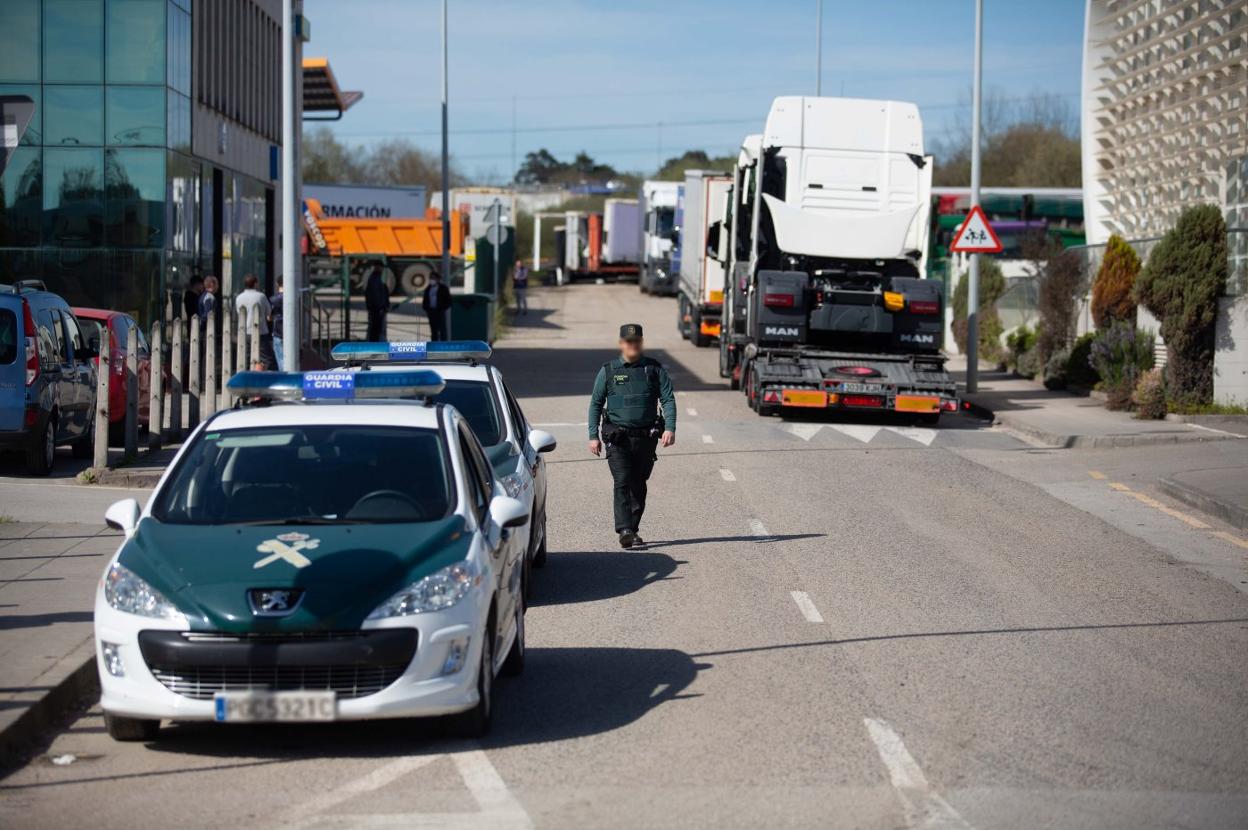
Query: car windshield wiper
301, 520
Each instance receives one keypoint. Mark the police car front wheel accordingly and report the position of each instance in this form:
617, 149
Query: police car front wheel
131, 729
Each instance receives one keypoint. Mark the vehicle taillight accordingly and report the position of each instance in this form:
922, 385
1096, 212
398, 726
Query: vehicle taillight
862, 400
924, 306
32, 344
894, 301
778, 300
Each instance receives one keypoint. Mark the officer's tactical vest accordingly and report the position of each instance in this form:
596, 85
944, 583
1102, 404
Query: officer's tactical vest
632, 392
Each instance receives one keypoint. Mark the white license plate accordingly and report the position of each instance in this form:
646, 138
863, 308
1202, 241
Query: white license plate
861, 388
275, 706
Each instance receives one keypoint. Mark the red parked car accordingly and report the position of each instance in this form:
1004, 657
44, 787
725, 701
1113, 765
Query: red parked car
96, 320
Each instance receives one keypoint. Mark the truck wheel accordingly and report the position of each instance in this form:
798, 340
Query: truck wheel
695, 330
680, 319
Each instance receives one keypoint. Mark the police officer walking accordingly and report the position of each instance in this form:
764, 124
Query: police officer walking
624, 414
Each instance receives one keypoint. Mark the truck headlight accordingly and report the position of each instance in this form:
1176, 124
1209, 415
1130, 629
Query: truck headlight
436, 592
127, 592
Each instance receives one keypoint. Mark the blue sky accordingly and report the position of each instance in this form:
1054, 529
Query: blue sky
603, 75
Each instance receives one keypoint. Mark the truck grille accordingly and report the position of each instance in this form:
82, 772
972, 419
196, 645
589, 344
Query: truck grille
202, 682
353, 664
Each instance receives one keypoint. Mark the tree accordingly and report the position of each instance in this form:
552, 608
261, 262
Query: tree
674, 168
1060, 279
542, 167
991, 287
1033, 143
395, 162
1180, 285
1112, 297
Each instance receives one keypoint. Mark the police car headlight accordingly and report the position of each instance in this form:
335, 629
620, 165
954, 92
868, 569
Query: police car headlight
436, 592
127, 592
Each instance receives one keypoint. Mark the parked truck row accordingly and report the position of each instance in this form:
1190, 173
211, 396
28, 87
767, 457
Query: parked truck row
806, 262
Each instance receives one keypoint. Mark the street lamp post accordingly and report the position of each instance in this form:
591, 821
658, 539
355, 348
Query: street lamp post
291, 274
818, 48
446, 166
972, 288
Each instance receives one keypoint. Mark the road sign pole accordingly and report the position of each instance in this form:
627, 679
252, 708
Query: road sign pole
446, 166
290, 233
498, 246
972, 289
818, 47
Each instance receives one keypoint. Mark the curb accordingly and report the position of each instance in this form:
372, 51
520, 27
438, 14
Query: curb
17, 739
1202, 501
141, 479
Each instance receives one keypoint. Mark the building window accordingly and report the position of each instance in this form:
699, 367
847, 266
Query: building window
73, 197
73, 115
19, 40
21, 205
73, 41
136, 41
134, 183
179, 50
135, 116
34, 131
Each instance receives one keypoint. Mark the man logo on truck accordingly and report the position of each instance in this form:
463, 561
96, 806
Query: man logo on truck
925, 339
782, 331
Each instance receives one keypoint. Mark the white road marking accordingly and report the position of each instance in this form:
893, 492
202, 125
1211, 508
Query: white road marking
806, 606
860, 432
920, 434
693, 413
706, 439
757, 528
375, 780
727, 474
563, 424
924, 808
1211, 429
803, 431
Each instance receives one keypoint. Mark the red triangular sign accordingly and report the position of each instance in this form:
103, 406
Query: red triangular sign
976, 236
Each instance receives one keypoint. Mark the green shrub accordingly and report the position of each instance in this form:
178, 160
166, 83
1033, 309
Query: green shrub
1149, 397
1030, 363
991, 287
1120, 354
1079, 370
1017, 343
1055, 369
1112, 296
1180, 285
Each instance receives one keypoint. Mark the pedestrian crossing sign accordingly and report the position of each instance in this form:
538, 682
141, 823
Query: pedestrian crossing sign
976, 236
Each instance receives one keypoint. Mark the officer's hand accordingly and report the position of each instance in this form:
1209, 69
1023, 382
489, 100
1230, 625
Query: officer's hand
595, 447
668, 438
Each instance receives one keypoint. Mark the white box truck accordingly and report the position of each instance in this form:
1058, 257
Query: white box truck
701, 292
621, 226
658, 236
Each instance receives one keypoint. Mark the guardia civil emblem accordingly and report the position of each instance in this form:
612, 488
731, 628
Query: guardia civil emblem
287, 547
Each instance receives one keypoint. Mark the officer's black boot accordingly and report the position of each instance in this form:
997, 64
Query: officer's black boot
627, 539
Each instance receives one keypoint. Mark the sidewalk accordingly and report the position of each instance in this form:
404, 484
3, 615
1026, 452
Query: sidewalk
48, 577
1061, 419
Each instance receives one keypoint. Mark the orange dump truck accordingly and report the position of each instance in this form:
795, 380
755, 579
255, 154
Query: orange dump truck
408, 248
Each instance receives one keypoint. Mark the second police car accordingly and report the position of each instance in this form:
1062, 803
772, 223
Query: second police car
477, 390
342, 557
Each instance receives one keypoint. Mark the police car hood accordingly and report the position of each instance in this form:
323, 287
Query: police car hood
337, 573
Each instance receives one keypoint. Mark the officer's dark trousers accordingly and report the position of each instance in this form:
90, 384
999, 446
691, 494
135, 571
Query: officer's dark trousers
631, 461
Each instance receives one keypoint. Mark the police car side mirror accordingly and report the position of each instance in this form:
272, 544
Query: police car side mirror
507, 512
541, 441
123, 515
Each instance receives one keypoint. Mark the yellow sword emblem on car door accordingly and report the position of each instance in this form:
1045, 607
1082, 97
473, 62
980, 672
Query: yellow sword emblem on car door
287, 546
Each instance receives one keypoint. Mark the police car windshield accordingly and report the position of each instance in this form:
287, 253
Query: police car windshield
347, 474
475, 401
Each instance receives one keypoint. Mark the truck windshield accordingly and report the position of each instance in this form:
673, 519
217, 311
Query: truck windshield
666, 220
308, 474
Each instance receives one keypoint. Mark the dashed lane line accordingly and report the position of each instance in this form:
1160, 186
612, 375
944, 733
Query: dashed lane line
727, 474
1098, 475
806, 606
1233, 539
706, 439
924, 808
693, 413
1187, 518
757, 528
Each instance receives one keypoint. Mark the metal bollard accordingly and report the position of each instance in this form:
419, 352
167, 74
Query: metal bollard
210, 368
192, 400
175, 383
101, 404
227, 355
240, 353
132, 391
253, 328
156, 407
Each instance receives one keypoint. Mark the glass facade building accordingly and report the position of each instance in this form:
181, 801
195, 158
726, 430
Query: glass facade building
107, 198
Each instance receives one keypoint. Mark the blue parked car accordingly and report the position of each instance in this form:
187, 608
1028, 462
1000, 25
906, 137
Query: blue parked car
47, 377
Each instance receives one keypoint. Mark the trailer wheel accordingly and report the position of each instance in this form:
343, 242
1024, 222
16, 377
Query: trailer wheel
415, 278
699, 339
680, 319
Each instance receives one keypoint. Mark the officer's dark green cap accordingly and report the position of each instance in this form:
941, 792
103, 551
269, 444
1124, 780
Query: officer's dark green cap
630, 331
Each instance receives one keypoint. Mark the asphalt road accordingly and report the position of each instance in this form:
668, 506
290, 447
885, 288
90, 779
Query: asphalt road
835, 624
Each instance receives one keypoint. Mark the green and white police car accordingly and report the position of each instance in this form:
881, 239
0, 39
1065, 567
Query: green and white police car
477, 390
345, 556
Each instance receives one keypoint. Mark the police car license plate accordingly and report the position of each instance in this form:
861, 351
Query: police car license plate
861, 388
275, 706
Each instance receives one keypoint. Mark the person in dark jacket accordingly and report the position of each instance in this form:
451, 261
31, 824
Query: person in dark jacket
437, 304
377, 302
190, 297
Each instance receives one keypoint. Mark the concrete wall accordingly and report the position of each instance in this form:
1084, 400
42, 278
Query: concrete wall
1230, 362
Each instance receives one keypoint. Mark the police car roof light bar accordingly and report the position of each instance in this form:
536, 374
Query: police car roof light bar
335, 385
412, 351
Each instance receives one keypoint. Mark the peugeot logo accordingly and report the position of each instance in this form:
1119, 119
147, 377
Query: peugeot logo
274, 602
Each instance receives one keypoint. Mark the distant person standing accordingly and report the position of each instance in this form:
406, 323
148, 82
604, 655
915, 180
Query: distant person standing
520, 284
377, 303
207, 309
437, 303
253, 306
190, 297
276, 319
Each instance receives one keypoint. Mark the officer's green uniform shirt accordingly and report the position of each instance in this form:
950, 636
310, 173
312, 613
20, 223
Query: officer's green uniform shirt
630, 400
